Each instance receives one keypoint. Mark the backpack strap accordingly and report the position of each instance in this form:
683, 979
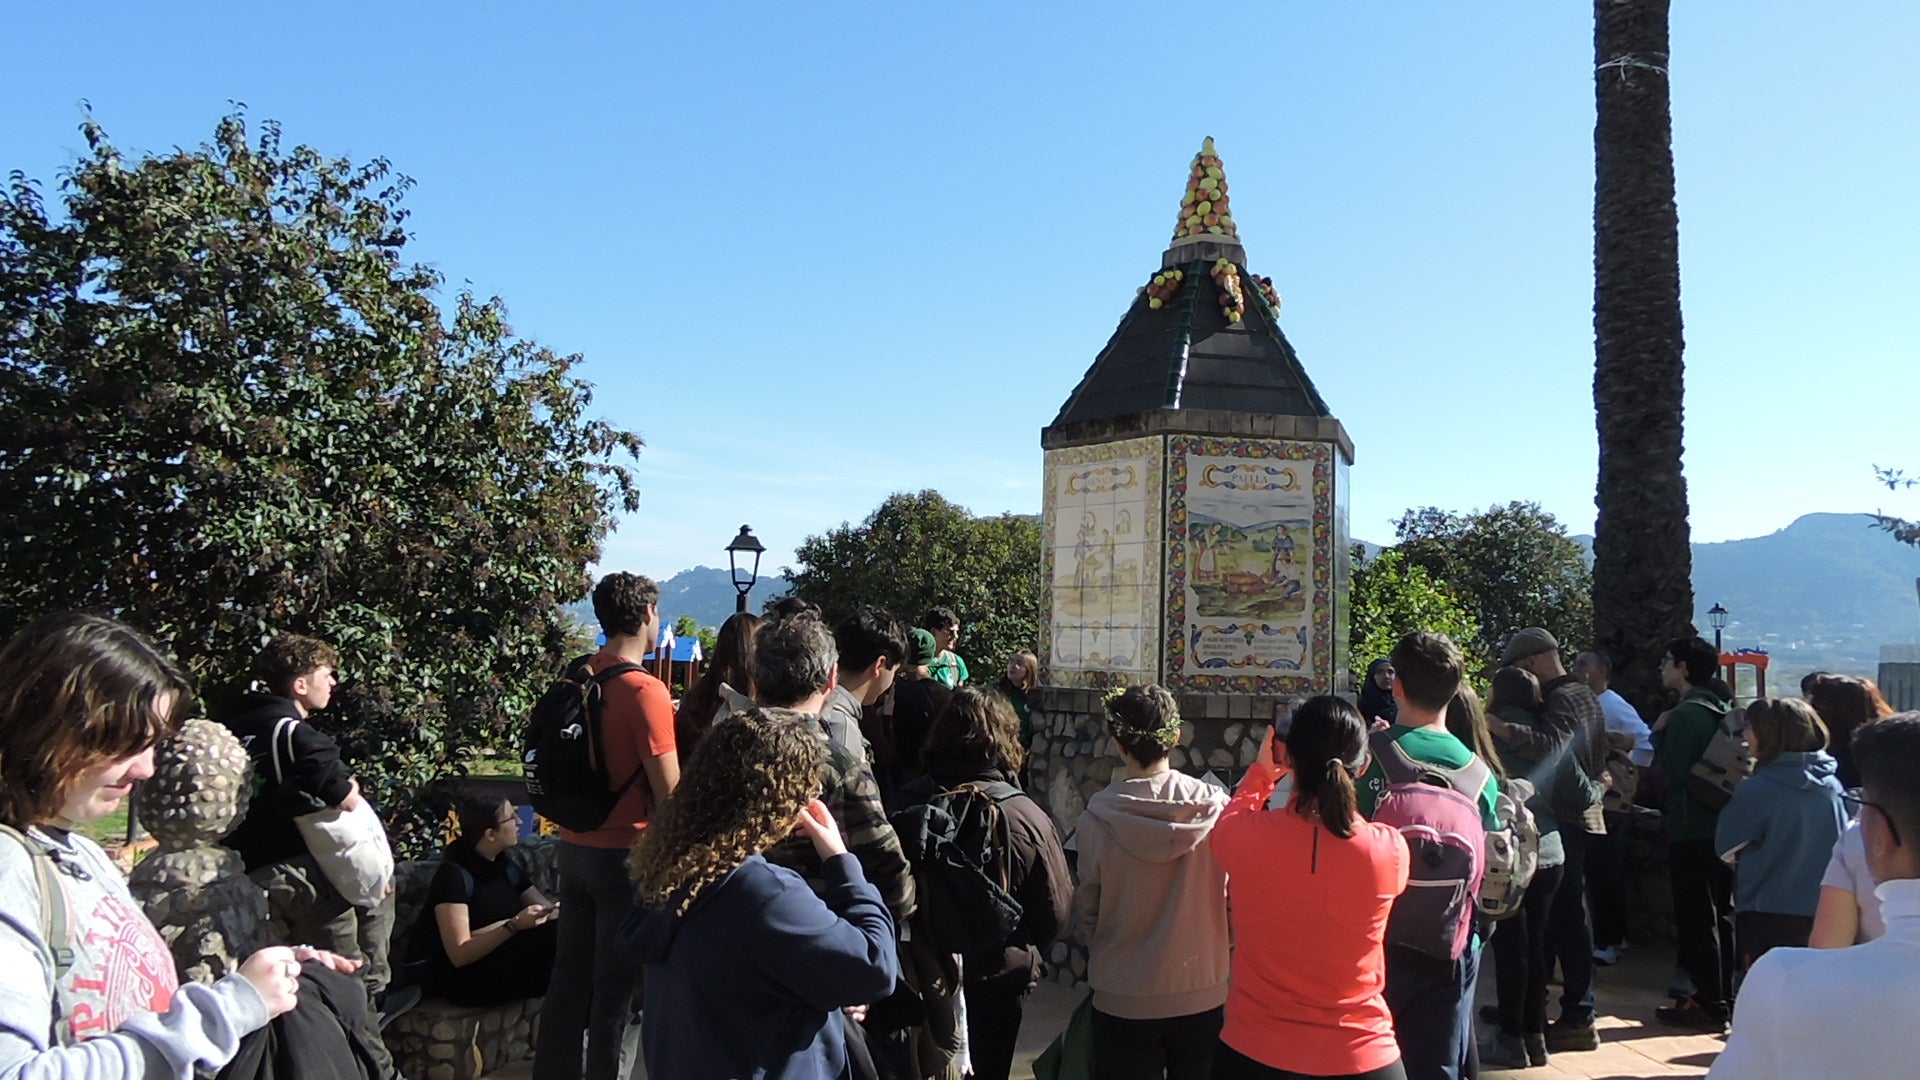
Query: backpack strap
54, 923
1469, 779
599, 680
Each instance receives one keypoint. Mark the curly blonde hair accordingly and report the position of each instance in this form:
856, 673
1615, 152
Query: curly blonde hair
741, 792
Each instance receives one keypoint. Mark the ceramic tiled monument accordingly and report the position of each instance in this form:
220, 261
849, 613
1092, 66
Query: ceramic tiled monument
1195, 514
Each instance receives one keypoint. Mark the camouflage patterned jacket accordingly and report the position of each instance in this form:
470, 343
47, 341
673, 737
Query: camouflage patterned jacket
848, 787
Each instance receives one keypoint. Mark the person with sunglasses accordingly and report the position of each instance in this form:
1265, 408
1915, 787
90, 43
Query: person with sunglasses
1848, 1012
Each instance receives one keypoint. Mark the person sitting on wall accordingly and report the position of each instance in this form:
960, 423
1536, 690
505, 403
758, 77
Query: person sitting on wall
485, 935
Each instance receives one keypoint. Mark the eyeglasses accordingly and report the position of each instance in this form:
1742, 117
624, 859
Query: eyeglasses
1857, 801
514, 821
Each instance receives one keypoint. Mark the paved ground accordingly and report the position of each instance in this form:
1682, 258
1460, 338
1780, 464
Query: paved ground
1633, 1046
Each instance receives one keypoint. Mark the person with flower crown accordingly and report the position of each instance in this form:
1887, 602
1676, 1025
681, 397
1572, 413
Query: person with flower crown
1159, 984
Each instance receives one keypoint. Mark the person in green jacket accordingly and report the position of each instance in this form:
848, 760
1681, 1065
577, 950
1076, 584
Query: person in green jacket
1702, 882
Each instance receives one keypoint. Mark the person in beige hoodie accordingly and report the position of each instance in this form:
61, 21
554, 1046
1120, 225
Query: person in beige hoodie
1159, 982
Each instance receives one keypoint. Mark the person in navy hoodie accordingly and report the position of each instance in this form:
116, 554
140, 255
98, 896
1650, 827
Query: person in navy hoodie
1780, 828
747, 970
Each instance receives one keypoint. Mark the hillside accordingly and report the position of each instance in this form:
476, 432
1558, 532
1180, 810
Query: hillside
703, 592
1823, 593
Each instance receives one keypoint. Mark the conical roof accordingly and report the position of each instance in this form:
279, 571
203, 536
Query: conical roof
1203, 333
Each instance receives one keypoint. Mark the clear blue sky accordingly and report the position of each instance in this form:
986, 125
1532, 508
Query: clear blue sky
819, 253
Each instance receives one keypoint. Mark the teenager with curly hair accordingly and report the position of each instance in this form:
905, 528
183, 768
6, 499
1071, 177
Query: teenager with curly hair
745, 965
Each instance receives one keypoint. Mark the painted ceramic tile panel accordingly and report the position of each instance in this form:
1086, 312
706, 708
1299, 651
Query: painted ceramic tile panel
1102, 541
1249, 565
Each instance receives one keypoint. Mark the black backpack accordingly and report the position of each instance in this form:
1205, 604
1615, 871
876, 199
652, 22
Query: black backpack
960, 844
566, 767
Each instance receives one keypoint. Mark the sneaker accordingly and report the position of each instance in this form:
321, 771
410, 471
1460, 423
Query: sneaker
1563, 1037
1689, 1013
1536, 1044
1607, 957
393, 1003
1504, 1051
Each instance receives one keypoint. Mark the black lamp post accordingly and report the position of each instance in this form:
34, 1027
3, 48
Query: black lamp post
743, 579
1717, 618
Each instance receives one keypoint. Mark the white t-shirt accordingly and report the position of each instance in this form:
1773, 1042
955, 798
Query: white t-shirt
1848, 870
1621, 719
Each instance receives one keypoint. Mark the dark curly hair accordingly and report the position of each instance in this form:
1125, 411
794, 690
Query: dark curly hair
740, 793
288, 657
975, 728
620, 602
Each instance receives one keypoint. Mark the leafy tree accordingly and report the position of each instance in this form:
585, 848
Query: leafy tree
1903, 530
1642, 559
1391, 596
1510, 566
686, 626
230, 408
919, 551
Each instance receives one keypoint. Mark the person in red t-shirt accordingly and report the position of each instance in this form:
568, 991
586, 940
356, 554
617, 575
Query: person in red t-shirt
591, 991
1309, 889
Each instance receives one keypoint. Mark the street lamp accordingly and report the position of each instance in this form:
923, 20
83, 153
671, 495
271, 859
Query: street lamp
1717, 618
743, 579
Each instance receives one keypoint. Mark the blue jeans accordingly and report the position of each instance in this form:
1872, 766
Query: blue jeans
592, 991
1432, 1006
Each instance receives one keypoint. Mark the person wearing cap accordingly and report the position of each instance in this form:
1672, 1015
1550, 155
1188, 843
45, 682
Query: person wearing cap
1571, 721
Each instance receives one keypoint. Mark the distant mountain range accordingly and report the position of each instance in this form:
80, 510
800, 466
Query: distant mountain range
1824, 593
703, 592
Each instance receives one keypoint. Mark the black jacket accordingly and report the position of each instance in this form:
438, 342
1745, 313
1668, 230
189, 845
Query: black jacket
315, 778
1041, 881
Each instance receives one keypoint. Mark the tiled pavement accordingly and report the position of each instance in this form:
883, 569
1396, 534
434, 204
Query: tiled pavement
1632, 1045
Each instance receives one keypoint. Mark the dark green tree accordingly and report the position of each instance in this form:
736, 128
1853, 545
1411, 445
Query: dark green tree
919, 551
1510, 567
1903, 530
1642, 558
229, 407
1392, 596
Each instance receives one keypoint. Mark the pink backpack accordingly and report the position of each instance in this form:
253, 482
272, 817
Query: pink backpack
1437, 810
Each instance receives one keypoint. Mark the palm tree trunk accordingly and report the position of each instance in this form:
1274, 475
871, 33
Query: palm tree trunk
1643, 566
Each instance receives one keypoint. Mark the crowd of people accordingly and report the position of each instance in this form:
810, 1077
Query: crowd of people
823, 861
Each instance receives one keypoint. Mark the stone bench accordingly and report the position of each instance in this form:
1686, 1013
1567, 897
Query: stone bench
437, 1040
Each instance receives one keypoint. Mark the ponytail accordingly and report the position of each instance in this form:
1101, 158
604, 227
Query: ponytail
1328, 740
1337, 801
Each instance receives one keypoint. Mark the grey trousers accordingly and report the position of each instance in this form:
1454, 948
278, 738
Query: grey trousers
592, 992
303, 908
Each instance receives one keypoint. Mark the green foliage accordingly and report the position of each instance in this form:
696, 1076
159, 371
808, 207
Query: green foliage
919, 551
1392, 596
229, 408
1903, 530
1510, 567
686, 626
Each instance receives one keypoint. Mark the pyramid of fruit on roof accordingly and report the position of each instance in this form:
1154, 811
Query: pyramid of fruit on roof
1203, 332
1205, 210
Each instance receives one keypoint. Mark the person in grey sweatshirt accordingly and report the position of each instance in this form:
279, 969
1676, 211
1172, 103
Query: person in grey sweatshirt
1780, 828
90, 991
1159, 984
